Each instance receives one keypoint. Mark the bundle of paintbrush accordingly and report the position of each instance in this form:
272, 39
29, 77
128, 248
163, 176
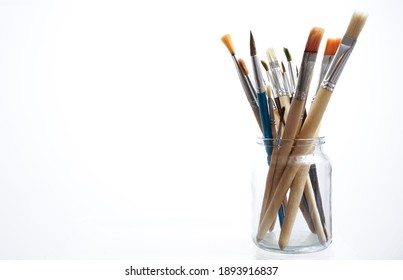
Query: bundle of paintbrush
279, 105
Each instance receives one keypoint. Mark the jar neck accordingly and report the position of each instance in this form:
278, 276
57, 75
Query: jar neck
316, 142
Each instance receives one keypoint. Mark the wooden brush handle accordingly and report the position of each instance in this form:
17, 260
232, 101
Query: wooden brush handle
273, 206
280, 155
297, 189
308, 130
306, 214
313, 208
285, 103
277, 118
313, 176
277, 167
269, 179
290, 131
255, 110
316, 112
292, 208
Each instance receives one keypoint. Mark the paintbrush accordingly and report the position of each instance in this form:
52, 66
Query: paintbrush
271, 112
227, 40
267, 121
297, 107
270, 78
245, 73
261, 95
298, 172
278, 81
293, 76
274, 143
287, 82
332, 45
260, 90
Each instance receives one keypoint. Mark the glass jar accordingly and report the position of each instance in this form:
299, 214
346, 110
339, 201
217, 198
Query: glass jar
291, 196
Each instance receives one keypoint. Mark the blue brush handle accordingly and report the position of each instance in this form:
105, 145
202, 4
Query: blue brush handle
281, 215
265, 119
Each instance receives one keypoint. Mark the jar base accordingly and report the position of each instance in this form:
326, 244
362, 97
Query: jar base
301, 242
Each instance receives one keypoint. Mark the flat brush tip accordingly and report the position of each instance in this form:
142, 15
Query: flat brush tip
268, 91
356, 24
331, 46
252, 45
271, 54
315, 36
287, 54
227, 40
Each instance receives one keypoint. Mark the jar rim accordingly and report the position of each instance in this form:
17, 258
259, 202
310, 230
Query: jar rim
300, 141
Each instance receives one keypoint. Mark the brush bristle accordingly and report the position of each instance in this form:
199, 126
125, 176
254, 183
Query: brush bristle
287, 54
271, 54
315, 36
356, 24
268, 91
243, 66
252, 45
332, 45
226, 39
282, 67
265, 66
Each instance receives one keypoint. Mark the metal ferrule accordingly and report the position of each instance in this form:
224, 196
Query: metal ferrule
257, 72
338, 63
292, 76
327, 60
252, 99
270, 78
305, 75
250, 86
272, 118
249, 92
287, 84
278, 78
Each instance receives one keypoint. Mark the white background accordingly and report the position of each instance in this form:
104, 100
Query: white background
125, 134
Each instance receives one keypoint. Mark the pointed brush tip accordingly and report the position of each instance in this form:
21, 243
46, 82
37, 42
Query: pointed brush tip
252, 45
282, 67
